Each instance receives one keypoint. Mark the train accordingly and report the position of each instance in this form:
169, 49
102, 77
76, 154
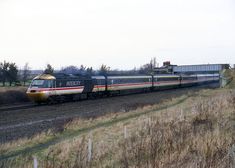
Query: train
59, 87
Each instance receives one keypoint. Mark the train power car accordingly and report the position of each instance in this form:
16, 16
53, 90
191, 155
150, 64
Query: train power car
60, 87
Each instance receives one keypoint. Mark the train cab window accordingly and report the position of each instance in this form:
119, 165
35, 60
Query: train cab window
50, 84
39, 83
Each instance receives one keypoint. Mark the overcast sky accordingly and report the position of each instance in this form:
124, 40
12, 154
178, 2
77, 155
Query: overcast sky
122, 33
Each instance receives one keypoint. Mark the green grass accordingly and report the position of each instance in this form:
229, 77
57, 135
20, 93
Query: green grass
7, 84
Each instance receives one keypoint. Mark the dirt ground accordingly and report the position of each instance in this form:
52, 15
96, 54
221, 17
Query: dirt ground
29, 122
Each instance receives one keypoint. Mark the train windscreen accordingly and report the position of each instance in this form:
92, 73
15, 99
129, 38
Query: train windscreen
39, 83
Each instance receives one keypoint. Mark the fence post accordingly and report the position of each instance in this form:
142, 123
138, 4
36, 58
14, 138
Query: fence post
89, 149
181, 115
149, 122
125, 132
149, 126
232, 155
35, 162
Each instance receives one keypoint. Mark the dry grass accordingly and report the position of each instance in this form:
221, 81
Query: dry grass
202, 139
230, 74
21, 143
196, 133
19, 88
13, 95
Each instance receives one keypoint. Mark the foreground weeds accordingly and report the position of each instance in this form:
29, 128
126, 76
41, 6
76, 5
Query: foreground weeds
196, 133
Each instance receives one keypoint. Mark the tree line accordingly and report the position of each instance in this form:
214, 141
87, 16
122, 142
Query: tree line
103, 70
10, 73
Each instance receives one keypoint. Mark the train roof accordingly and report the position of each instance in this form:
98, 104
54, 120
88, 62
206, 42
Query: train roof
45, 77
71, 76
61, 76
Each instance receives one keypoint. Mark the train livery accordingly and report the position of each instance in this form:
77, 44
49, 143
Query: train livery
61, 87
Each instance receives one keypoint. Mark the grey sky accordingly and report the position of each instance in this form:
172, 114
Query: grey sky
121, 34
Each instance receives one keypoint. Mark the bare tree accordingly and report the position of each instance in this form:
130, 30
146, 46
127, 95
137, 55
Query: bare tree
5, 73
89, 71
26, 73
12, 73
149, 67
49, 69
1, 72
153, 63
104, 69
82, 69
70, 70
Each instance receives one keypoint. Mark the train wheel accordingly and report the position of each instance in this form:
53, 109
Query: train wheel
51, 101
61, 99
38, 103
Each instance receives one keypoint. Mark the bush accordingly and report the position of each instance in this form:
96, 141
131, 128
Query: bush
9, 96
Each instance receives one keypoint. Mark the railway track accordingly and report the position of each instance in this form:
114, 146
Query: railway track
17, 107
11, 108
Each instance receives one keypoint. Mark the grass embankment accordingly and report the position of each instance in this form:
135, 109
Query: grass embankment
190, 131
230, 75
9, 95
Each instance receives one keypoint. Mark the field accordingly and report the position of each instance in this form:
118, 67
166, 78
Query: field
192, 130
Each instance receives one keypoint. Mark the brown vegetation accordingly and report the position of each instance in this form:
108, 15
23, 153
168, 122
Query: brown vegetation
230, 74
196, 133
11, 95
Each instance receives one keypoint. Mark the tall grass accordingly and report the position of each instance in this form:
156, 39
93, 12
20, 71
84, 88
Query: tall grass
203, 139
199, 133
13, 95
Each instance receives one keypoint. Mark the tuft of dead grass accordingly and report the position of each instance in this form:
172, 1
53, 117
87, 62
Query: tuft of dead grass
230, 74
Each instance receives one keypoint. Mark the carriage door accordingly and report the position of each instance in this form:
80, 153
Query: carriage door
52, 86
88, 85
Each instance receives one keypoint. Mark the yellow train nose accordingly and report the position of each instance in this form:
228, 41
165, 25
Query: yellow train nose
36, 96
